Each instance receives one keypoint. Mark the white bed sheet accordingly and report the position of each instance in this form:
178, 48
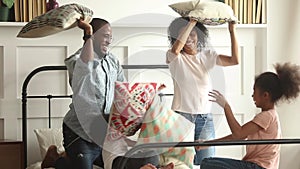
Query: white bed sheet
37, 165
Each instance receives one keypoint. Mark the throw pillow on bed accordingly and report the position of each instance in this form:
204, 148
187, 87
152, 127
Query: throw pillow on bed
129, 107
47, 137
161, 124
55, 20
207, 12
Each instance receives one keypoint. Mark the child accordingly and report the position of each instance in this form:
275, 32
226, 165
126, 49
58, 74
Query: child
189, 63
269, 88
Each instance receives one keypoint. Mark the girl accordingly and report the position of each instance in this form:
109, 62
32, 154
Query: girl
189, 63
269, 88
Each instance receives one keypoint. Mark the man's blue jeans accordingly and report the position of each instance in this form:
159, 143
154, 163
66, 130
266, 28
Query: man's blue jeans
227, 163
81, 154
204, 130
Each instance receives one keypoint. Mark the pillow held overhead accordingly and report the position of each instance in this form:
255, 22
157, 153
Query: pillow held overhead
55, 20
207, 12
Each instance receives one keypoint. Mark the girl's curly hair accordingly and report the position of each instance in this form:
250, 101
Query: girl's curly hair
283, 85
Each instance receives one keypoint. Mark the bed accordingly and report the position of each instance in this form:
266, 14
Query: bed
48, 136
45, 134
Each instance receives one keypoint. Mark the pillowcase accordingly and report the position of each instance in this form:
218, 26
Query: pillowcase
129, 107
55, 20
47, 137
161, 124
207, 12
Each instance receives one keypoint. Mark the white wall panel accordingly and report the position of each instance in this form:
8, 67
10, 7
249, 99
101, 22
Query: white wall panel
222, 129
121, 52
32, 57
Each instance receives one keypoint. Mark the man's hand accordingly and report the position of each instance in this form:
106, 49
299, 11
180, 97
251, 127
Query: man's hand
85, 26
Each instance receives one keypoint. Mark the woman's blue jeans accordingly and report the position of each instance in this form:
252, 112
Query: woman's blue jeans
227, 163
204, 130
81, 154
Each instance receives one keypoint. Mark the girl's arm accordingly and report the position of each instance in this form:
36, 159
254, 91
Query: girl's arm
225, 60
247, 129
226, 138
87, 53
183, 36
238, 131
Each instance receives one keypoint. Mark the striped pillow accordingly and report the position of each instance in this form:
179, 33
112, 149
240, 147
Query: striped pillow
55, 20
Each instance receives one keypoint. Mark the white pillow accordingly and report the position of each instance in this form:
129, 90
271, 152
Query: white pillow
47, 137
207, 12
55, 20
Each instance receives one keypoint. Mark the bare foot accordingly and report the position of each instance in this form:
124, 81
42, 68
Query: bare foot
50, 158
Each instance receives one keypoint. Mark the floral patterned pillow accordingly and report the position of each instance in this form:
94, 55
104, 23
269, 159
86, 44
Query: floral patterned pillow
55, 20
164, 125
207, 12
129, 107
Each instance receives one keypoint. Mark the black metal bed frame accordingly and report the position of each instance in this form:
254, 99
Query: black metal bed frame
138, 147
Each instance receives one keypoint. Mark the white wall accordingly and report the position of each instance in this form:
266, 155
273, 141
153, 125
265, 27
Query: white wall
113, 10
283, 45
282, 36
